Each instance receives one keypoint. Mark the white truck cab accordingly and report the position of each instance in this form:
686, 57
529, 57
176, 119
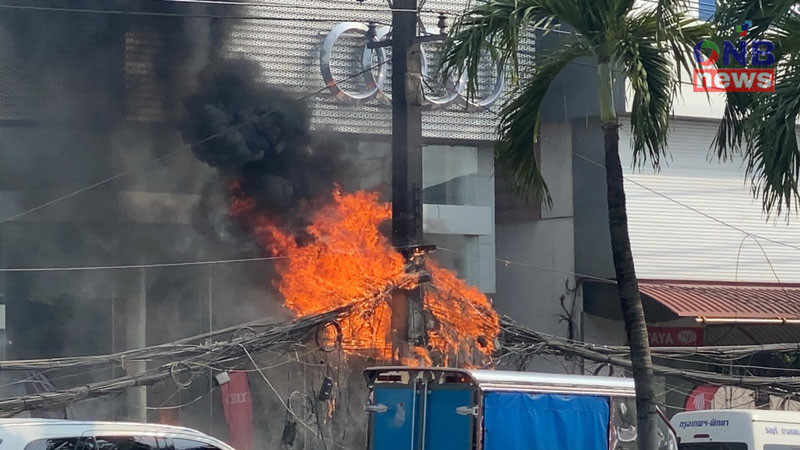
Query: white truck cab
738, 430
50, 434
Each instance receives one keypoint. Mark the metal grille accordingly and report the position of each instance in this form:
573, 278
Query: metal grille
142, 97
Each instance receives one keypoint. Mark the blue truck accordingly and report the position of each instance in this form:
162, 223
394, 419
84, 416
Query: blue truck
414, 408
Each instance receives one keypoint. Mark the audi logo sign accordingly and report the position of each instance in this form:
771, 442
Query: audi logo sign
374, 75
237, 397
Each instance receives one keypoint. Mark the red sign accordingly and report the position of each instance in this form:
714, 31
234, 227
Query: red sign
700, 398
238, 409
675, 336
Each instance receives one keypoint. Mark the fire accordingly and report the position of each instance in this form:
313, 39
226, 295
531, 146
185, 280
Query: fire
345, 259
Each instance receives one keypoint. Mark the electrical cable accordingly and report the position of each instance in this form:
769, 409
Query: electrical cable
183, 405
150, 162
125, 173
162, 14
285, 406
271, 5
684, 205
141, 266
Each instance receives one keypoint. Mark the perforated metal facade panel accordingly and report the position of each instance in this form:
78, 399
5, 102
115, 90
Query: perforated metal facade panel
289, 52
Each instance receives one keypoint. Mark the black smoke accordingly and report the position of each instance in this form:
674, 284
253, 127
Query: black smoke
261, 136
86, 95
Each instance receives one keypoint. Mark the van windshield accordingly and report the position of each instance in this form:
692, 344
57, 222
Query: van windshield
714, 446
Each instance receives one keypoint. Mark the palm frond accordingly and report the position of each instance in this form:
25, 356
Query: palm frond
730, 134
762, 126
496, 27
647, 53
771, 151
764, 15
520, 118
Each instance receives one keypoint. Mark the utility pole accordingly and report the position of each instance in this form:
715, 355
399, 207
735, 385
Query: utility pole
408, 323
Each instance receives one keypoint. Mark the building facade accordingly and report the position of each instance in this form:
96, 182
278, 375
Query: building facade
63, 132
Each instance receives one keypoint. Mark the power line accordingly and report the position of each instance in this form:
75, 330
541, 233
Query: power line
533, 266
290, 6
162, 14
139, 266
128, 172
684, 205
162, 157
285, 405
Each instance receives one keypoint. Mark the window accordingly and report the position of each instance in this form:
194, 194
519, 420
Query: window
706, 9
714, 446
72, 443
781, 447
126, 443
623, 427
623, 423
186, 444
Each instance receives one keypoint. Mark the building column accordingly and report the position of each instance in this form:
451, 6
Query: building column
135, 338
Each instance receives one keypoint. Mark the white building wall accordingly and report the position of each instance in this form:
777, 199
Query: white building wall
674, 240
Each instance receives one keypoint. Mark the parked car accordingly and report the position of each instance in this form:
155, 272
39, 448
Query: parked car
51, 434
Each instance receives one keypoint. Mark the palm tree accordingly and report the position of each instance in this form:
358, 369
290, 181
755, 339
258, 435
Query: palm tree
762, 127
644, 45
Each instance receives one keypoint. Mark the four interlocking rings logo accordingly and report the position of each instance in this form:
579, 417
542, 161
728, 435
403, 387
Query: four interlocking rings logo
374, 75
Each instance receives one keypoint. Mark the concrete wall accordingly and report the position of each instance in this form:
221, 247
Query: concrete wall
592, 240
540, 253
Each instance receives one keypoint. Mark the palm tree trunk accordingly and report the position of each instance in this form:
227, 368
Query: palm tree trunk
631, 301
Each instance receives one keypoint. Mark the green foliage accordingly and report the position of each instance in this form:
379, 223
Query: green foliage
762, 127
644, 45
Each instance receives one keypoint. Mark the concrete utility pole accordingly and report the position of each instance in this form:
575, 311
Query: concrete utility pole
408, 324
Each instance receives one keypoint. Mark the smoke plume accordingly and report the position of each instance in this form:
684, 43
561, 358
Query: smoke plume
259, 136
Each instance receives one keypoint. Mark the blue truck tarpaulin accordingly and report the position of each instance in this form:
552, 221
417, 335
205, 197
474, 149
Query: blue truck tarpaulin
519, 421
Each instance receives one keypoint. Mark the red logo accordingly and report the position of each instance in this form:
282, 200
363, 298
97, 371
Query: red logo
734, 80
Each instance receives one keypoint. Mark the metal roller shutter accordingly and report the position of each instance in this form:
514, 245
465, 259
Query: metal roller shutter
670, 241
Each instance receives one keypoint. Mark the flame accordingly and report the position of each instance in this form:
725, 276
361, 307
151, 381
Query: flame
347, 259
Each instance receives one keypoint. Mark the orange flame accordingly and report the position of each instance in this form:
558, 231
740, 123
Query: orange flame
347, 259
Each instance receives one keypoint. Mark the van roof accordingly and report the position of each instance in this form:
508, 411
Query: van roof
756, 415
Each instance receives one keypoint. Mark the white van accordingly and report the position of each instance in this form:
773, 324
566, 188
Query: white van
738, 430
50, 434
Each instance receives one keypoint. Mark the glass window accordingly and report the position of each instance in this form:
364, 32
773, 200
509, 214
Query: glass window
706, 9
714, 446
781, 447
72, 443
622, 433
623, 424
458, 175
187, 444
126, 443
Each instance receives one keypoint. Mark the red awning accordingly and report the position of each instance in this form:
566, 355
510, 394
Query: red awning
726, 300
